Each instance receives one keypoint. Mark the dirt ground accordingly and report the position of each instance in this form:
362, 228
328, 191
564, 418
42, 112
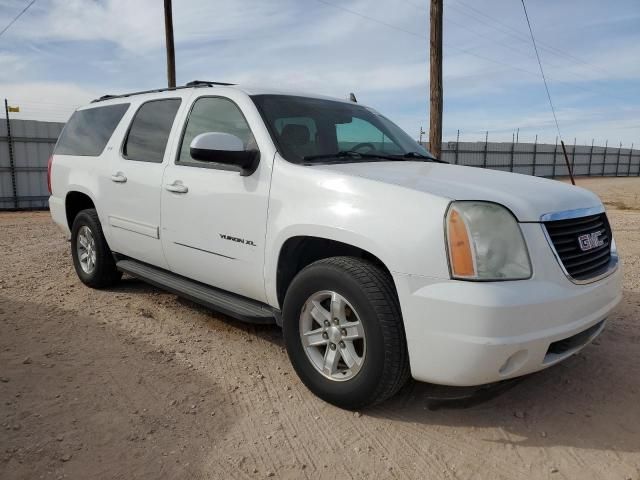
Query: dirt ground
133, 382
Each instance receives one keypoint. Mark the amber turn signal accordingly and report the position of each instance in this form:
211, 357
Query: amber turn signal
460, 252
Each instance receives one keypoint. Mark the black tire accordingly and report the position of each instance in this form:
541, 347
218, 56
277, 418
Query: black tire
104, 273
371, 292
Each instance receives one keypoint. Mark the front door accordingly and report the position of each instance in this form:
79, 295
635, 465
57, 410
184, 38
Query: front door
214, 219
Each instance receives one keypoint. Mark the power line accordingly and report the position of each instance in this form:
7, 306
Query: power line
381, 22
459, 49
465, 51
409, 32
553, 110
524, 54
522, 37
17, 17
515, 33
510, 31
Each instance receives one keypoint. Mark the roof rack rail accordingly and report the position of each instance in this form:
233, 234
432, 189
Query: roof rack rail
104, 97
195, 83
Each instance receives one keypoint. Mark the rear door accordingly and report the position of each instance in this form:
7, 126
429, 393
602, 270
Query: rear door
81, 158
135, 180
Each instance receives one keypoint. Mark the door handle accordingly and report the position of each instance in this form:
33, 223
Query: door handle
177, 187
118, 177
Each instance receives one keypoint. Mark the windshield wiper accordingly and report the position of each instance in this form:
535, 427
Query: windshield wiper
422, 156
340, 154
366, 157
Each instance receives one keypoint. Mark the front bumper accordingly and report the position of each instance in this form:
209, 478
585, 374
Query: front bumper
472, 333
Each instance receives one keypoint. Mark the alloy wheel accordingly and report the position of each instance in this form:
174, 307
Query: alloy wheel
332, 335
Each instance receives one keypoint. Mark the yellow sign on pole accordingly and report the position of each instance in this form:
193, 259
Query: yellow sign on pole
14, 109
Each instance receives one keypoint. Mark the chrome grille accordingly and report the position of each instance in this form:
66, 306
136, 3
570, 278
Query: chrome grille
582, 244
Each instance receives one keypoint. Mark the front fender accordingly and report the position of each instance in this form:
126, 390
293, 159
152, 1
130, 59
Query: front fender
400, 226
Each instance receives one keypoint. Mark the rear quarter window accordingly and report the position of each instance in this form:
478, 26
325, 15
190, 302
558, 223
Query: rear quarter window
88, 131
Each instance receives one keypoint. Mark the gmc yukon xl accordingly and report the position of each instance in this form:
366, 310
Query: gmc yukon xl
322, 216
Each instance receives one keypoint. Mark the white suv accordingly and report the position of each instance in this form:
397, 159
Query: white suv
324, 217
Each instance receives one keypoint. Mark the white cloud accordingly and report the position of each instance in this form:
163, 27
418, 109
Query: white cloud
138, 26
134, 26
11, 65
45, 100
80, 49
337, 82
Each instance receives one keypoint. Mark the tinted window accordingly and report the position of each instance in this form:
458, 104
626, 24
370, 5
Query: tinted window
303, 128
360, 134
88, 131
214, 114
149, 132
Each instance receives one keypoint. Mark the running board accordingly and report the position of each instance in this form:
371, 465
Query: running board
236, 306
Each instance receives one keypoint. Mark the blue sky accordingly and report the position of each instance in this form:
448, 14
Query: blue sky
62, 53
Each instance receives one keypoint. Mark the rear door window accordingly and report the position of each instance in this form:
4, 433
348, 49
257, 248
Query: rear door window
150, 129
88, 131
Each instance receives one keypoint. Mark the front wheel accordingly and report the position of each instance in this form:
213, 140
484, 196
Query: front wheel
344, 333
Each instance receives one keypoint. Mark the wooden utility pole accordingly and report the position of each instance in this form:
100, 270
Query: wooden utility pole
171, 56
435, 79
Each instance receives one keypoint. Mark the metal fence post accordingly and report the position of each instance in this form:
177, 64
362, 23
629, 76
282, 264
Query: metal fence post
629, 167
573, 157
486, 140
512, 150
555, 151
12, 166
618, 159
590, 158
604, 159
535, 150
455, 162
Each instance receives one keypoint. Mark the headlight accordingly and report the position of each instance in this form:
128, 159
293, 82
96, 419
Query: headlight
485, 243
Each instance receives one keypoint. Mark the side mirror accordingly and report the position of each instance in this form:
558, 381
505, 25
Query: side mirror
226, 149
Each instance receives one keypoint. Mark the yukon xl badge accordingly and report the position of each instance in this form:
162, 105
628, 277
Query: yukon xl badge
237, 240
589, 241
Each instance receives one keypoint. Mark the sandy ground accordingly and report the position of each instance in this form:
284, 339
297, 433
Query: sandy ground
136, 383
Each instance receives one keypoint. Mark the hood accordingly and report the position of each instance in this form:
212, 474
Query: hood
526, 196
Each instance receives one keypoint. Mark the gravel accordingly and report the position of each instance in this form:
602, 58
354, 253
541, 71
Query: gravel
110, 388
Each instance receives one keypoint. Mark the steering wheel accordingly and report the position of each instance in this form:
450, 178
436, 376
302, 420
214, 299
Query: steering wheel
364, 145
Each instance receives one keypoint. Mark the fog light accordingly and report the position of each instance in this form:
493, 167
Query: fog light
514, 363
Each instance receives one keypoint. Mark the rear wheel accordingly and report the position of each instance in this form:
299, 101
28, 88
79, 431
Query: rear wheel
344, 333
92, 257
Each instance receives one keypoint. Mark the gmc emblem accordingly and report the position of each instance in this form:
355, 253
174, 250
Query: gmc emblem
589, 241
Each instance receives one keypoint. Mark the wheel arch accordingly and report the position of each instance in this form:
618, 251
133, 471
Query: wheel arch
298, 251
75, 201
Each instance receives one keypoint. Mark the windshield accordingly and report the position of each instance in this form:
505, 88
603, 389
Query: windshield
310, 130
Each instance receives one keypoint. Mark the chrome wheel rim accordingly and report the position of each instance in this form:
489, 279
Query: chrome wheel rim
86, 250
332, 335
